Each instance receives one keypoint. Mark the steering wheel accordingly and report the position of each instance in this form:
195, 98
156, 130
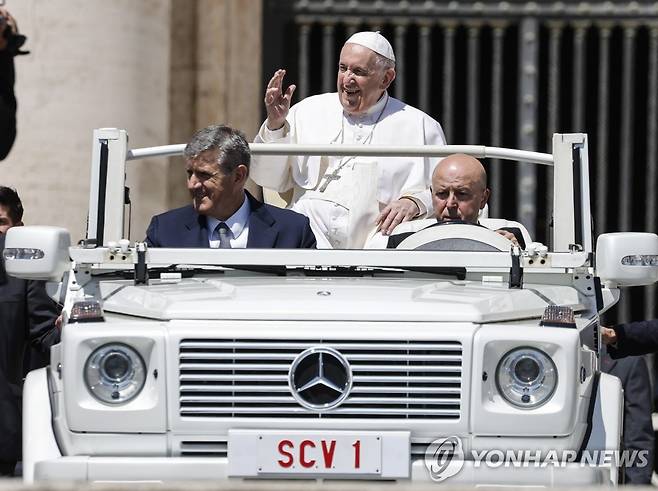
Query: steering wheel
456, 237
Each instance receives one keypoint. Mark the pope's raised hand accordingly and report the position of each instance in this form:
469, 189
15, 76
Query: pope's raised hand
277, 102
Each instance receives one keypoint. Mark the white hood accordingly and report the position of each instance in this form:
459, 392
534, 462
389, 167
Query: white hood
371, 299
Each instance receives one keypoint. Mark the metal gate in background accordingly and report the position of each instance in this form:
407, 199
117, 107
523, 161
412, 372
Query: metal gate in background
509, 74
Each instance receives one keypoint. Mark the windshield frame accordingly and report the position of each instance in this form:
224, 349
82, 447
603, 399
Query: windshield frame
108, 257
571, 206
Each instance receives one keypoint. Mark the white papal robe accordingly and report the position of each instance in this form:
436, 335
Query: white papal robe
342, 211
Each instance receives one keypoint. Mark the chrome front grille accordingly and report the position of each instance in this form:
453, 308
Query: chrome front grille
224, 378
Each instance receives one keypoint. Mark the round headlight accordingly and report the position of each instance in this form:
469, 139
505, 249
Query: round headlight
115, 373
526, 377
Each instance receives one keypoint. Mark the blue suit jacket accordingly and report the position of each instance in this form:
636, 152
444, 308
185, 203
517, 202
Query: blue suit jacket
269, 227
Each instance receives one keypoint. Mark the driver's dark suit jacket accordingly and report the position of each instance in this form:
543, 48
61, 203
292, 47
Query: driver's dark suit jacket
395, 240
269, 227
27, 318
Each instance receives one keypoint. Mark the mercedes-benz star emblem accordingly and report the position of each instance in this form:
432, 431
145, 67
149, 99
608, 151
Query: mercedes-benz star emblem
320, 378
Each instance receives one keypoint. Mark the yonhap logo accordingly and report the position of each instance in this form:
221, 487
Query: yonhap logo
444, 458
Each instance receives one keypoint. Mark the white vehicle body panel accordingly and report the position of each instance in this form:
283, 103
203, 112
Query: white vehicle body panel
376, 299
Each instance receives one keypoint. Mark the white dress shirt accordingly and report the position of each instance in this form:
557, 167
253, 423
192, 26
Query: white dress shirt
238, 224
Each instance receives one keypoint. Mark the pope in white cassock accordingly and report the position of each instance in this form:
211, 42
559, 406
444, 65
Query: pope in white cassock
348, 198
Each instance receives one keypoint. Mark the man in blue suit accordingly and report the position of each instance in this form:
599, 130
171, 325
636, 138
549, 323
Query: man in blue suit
223, 214
638, 433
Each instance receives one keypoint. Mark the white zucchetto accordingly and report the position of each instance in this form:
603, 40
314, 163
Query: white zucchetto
374, 41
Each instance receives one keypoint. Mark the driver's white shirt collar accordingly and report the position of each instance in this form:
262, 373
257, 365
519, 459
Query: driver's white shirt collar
237, 223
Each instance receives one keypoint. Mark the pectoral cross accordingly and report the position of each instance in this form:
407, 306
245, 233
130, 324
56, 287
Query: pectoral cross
328, 178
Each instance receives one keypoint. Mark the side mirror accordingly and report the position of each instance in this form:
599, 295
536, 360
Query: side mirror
627, 259
37, 252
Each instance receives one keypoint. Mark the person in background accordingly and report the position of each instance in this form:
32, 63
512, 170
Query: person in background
638, 432
631, 339
28, 319
10, 42
11, 209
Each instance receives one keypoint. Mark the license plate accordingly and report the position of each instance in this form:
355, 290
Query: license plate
315, 453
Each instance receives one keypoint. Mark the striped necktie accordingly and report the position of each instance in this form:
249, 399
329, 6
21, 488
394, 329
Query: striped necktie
223, 234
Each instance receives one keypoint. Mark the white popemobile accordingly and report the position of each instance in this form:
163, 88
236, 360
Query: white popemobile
341, 364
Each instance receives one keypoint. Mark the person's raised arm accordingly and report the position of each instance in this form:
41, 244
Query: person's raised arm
277, 102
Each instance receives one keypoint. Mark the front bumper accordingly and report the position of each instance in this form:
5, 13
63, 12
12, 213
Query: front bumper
159, 469
43, 461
